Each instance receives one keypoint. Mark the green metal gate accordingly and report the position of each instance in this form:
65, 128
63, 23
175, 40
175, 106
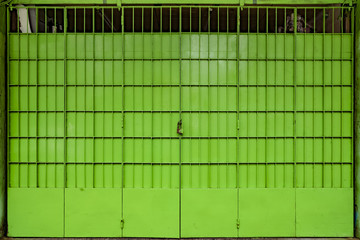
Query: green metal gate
180, 121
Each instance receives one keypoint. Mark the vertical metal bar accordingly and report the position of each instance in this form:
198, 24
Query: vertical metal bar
305, 113
152, 93
46, 97
65, 107
313, 106
189, 35
341, 96
113, 97
143, 167
180, 116
18, 97
354, 102
171, 70
4, 69
295, 102
257, 96
237, 118
122, 111
198, 87
27, 95
103, 96
227, 100
332, 98
208, 82
93, 94
323, 87
356, 114
217, 99
76, 139
266, 97
85, 87
37, 99
355, 36
55, 87
284, 75
6, 75
247, 96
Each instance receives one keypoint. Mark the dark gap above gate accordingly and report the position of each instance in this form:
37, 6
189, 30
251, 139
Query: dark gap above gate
227, 19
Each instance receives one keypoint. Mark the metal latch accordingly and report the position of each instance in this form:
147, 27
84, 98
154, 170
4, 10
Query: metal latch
122, 223
179, 129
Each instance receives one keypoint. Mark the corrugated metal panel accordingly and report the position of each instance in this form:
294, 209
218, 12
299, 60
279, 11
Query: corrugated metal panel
266, 117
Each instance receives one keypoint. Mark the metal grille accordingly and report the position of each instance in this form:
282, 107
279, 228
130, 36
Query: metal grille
265, 101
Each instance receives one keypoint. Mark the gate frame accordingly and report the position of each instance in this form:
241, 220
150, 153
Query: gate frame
3, 140
357, 122
3, 80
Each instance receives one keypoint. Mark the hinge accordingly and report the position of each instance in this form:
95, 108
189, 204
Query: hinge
238, 124
122, 223
238, 223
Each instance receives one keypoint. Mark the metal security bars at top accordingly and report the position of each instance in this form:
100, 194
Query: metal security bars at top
248, 19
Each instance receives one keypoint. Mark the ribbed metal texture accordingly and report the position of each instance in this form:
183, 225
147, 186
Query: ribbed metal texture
95, 101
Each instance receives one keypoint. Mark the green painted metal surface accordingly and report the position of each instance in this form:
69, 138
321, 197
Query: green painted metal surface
156, 210
93, 212
277, 208
2, 120
266, 143
34, 212
209, 212
312, 203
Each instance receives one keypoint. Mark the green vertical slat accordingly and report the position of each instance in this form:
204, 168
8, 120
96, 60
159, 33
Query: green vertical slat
3, 76
93, 103
28, 92
257, 98
353, 111
37, 97
238, 9
152, 94
305, 113
103, 99
341, 97
76, 99
266, 107
295, 184
65, 108
227, 100
332, 94
8, 177
85, 110
323, 58
18, 114
112, 95
180, 117
122, 115
56, 87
